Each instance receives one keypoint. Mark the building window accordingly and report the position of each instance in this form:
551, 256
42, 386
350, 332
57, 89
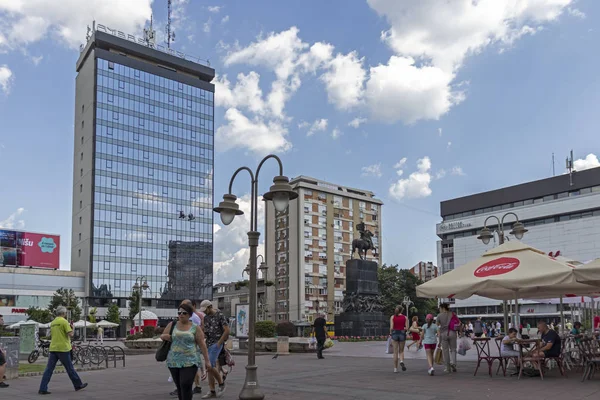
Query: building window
106, 265
80, 204
81, 172
79, 253
139, 251
115, 115
121, 84
144, 219
108, 164
133, 267
113, 248
170, 159
110, 98
81, 188
80, 237
149, 236
106, 231
146, 155
119, 216
179, 177
119, 149
82, 140
136, 137
150, 172
107, 198
82, 108
147, 92
113, 181
79, 220
81, 157
165, 190
111, 65
109, 131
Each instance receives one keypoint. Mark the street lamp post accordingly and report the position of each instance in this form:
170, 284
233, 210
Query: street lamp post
280, 193
407, 303
486, 234
143, 285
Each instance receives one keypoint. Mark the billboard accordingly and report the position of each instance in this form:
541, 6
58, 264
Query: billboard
28, 249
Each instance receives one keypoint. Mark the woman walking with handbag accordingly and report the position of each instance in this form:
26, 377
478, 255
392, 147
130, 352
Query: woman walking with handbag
449, 326
415, 333
398, 328
183, 359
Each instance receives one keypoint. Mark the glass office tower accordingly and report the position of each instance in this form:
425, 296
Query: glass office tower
143, 193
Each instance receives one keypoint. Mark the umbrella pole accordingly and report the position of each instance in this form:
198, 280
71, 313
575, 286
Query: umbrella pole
562, 315
505, 307
517, 317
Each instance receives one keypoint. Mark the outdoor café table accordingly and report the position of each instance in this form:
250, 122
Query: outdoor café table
537, 362
484, 354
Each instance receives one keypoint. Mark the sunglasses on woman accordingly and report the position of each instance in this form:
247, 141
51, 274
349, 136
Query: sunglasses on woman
182, 313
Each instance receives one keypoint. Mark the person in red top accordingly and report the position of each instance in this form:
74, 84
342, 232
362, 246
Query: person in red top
398, 328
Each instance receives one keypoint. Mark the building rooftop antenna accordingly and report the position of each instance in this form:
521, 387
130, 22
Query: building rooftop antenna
170, 34
150, 34
569, 165
553, 170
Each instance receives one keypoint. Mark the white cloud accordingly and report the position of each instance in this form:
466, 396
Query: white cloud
27, 22
356, 122
257, 135
449, 145
419, 30
13, 221
336, 133
246, 93
440, 132
372, 170
225, 19
440, 174
6, 78
207, 25
318, 126
590, 161
214, 9
576, 13
402, 91
344, 80
457, 171
37, 60
231, 243
417, 183
400, 164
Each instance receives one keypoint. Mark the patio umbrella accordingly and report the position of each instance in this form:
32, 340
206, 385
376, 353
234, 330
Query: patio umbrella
83, 324
512, 270
589, 273
106, 324
16, 325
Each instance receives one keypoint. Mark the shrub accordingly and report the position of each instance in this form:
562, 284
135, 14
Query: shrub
135, 337
148, 332
265, 329
286, 329
159, 331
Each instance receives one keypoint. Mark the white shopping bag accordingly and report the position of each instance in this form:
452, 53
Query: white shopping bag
389, 348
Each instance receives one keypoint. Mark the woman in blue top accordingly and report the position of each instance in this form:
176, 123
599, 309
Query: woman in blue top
429, 340
183, 359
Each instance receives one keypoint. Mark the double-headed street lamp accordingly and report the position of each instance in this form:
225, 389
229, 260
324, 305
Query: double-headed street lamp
143, 285
486, 234
280, 193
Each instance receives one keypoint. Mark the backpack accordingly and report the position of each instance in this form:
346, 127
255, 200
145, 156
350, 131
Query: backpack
226, 359
454, 324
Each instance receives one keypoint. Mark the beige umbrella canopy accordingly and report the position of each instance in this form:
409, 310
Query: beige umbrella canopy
589, 273
511, 270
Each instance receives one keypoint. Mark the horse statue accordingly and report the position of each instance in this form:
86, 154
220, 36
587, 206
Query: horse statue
363, 244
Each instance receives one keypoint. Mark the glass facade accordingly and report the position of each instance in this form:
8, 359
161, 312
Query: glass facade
153, 193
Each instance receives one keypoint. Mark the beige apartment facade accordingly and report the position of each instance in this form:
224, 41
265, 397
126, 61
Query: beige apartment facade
308, 246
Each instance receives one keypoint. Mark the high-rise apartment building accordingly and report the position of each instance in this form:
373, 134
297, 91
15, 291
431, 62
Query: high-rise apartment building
425, 271
309, 245
143, 171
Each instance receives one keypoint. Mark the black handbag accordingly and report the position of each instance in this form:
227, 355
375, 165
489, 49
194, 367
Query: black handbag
163, 350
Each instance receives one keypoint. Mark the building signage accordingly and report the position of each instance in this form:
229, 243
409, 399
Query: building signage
27, 249
499, 266
454, 225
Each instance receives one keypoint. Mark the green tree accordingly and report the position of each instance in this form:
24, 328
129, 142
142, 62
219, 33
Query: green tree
395, 284
134, 302
67, 298
113, 314
40, 315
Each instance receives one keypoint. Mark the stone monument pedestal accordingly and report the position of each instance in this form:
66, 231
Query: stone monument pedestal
362, 305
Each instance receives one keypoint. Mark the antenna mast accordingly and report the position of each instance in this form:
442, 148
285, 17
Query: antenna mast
553, 171
149, 35
569, 164
170, 34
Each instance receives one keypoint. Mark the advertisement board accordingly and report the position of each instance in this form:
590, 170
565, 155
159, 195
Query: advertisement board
28, 249
242, 312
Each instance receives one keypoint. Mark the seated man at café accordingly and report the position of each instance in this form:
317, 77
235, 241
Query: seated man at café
507, 349
551, 345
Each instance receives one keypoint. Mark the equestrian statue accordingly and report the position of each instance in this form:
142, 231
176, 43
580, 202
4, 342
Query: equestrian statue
364, 243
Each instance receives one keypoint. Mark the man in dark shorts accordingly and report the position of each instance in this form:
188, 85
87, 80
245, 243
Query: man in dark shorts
551, 345
2, 359
320, 333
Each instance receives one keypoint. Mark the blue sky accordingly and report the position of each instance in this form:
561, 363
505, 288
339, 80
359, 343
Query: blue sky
416, 101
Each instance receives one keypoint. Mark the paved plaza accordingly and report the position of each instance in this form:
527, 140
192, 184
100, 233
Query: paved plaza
344, 376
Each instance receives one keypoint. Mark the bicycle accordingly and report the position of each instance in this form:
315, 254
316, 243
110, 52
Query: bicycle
44, 347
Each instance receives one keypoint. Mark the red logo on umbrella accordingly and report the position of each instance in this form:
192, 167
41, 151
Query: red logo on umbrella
498, 266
